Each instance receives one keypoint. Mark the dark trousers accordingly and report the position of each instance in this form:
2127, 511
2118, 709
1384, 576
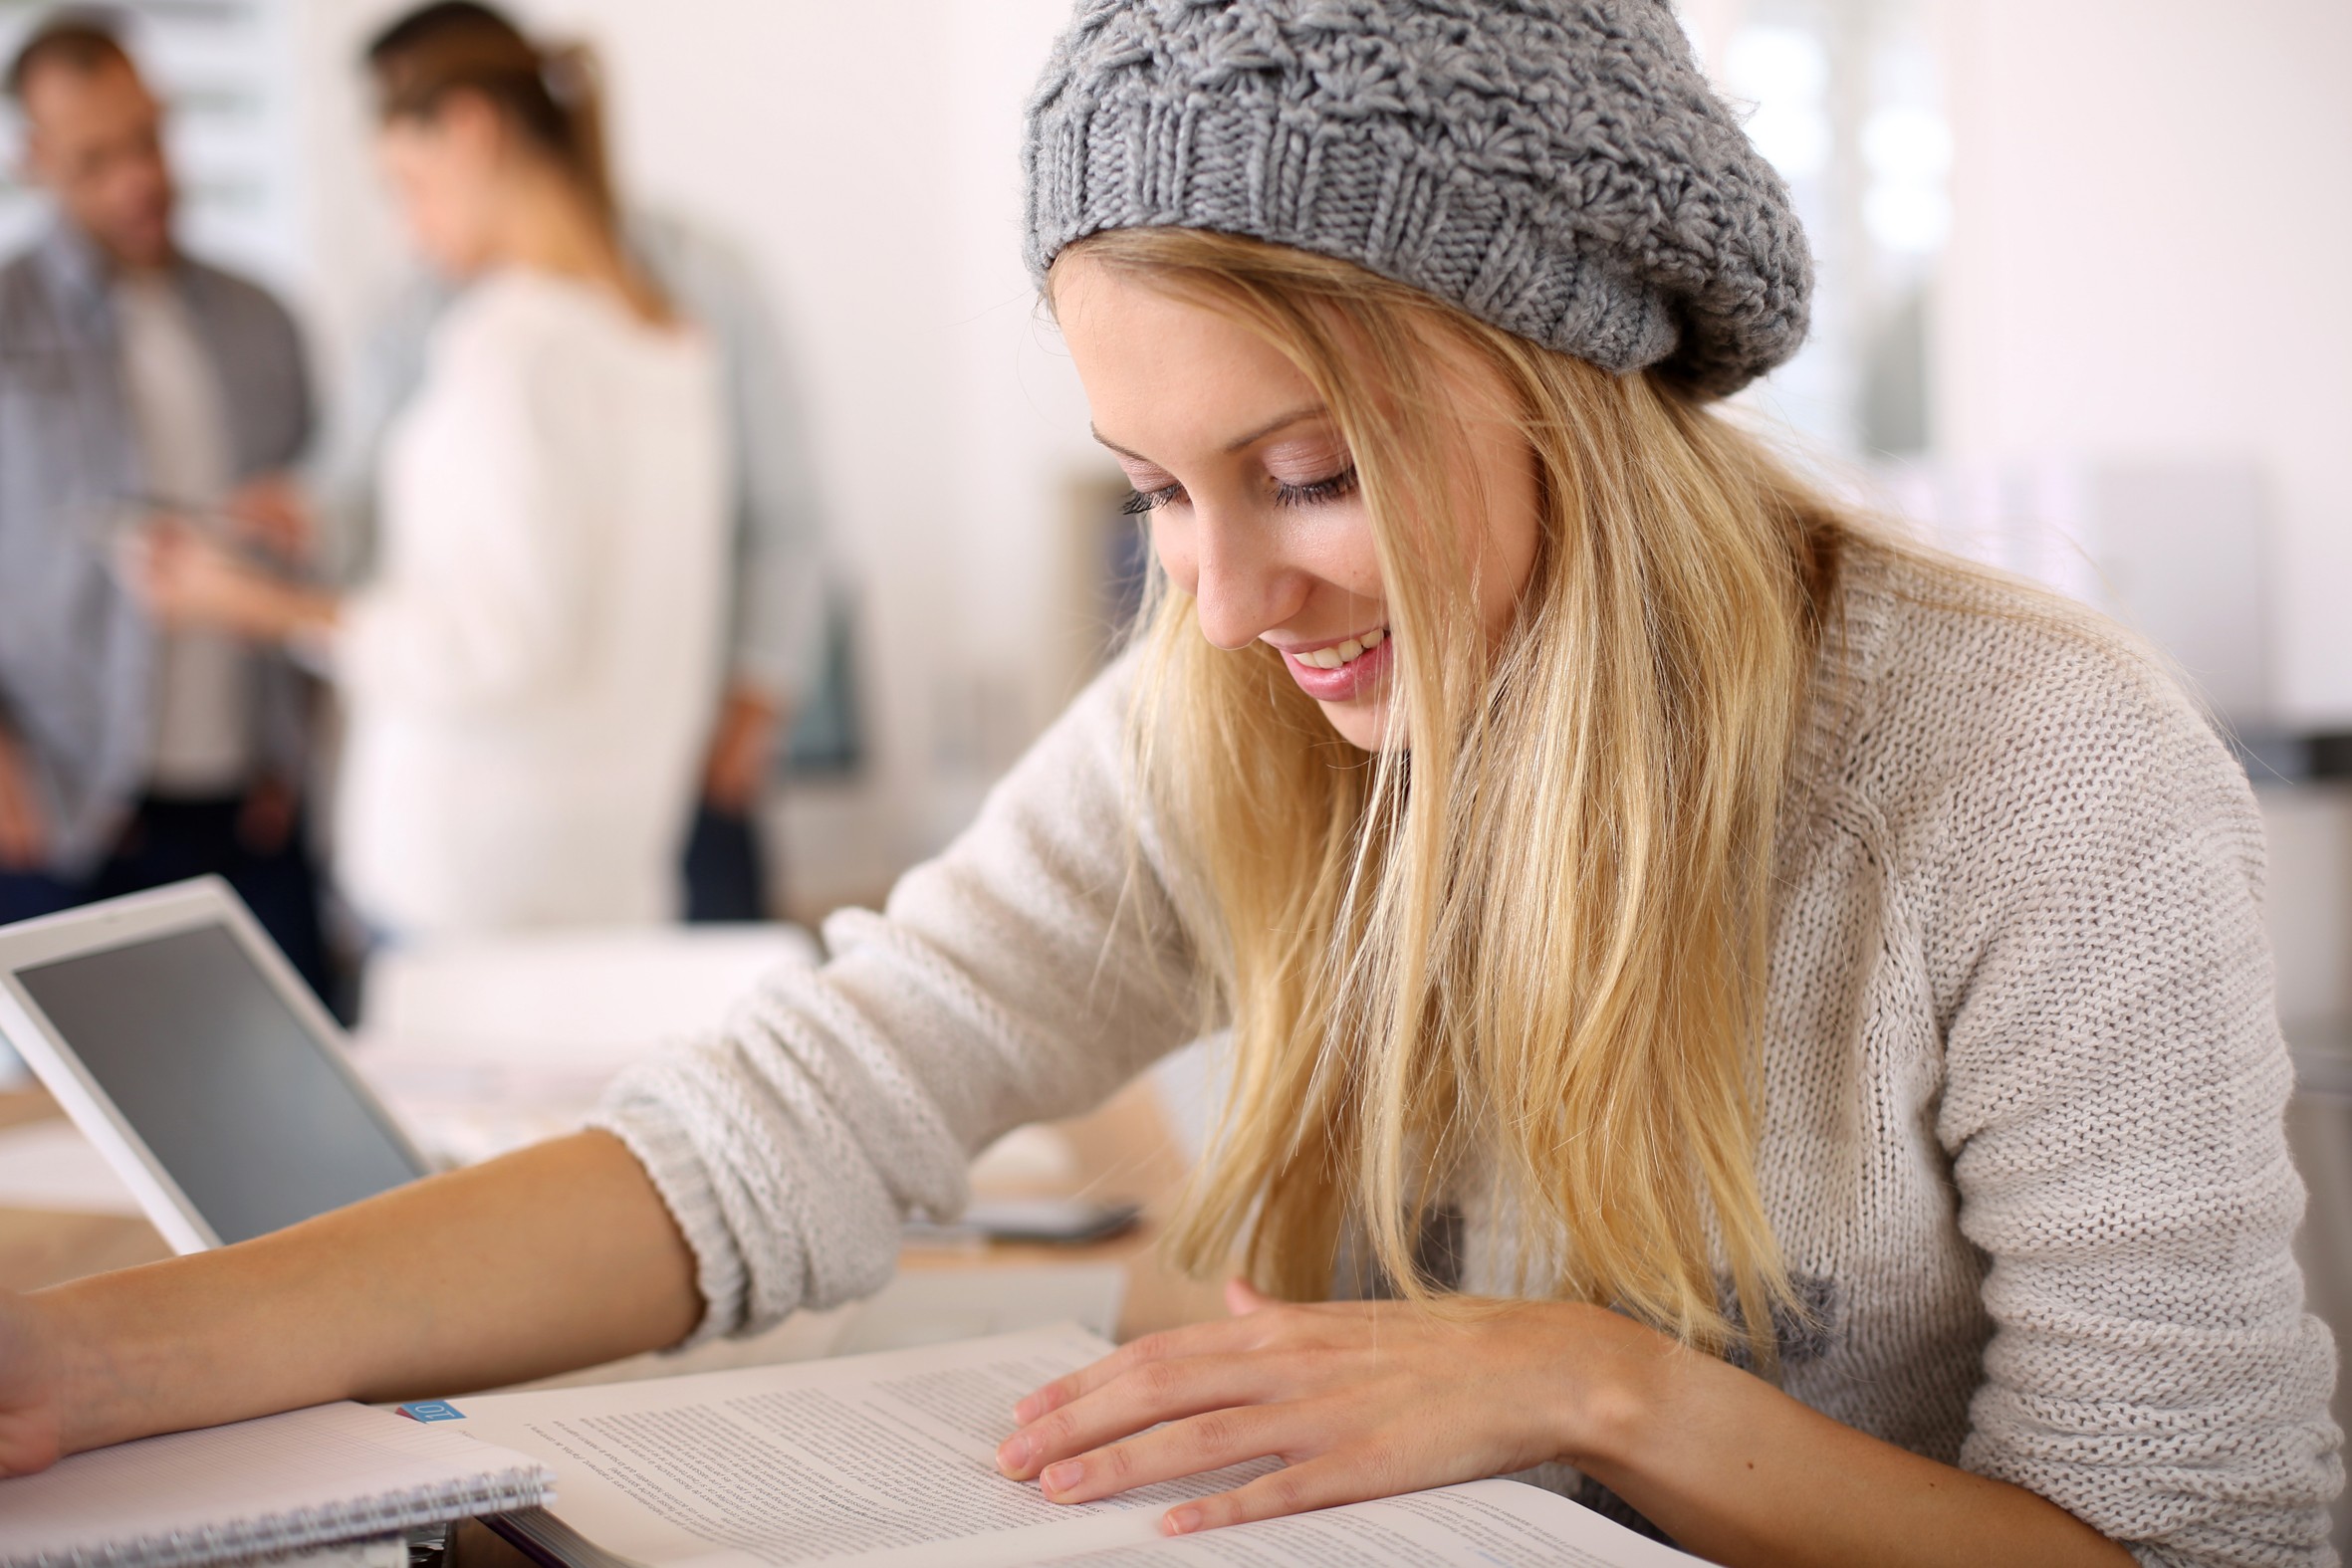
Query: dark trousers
172, 840
725, 878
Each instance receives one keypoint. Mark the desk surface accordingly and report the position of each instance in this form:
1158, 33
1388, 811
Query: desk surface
1123, 1150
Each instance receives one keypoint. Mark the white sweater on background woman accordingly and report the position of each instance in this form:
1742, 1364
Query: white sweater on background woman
532, 674
2024, 1080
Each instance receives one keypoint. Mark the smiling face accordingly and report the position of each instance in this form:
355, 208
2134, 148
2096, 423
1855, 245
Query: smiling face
1251, 492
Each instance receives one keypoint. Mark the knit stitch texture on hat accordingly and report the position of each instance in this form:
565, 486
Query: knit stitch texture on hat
1556, 168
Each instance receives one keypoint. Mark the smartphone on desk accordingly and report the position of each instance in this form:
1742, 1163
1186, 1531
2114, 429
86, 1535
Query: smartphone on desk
1054, 1222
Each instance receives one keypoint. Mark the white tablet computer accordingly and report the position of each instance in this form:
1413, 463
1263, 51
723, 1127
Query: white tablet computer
180, 1041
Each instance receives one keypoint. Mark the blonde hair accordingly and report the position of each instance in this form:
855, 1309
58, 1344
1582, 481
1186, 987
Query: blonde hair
1529, 944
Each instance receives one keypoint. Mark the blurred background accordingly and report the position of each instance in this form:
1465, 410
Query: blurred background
2082, 314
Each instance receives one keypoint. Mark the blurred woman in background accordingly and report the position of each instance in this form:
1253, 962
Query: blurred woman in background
531, 672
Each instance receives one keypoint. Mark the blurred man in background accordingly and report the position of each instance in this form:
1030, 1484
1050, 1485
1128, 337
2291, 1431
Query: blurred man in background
136, 380
778, 598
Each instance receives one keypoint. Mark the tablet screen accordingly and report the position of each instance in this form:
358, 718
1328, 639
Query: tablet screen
220, 1078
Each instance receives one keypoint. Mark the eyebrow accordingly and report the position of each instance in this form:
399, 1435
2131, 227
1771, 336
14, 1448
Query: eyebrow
1270, 427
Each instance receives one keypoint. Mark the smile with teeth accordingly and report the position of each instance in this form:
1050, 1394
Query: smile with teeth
1348, 652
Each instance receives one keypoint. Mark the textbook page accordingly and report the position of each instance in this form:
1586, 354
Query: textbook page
1477, 1525
881, 1461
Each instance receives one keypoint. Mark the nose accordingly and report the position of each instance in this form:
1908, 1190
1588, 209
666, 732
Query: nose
1234, 570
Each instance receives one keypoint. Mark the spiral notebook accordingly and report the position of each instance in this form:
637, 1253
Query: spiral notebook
279, 1483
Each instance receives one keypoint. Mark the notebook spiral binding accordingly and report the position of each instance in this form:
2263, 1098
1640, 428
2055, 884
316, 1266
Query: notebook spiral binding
307, 1527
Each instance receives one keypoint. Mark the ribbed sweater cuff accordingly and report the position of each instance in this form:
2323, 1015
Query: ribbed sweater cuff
680, 1177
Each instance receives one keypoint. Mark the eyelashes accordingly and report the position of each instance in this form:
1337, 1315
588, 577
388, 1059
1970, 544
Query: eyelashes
1141, 501
1320, 491
1314, 493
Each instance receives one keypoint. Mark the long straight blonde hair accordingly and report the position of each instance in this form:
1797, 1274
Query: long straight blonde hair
1527, 945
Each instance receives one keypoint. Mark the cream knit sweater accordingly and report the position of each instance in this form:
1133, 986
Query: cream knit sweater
2023, 1079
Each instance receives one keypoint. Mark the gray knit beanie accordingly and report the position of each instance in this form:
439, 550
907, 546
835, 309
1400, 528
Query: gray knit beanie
1557, 168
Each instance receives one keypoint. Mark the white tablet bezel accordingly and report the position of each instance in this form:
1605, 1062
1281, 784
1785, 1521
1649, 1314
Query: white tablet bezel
101, 928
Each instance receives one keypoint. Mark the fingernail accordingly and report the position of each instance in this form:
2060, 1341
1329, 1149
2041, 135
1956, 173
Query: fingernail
1027, 1410
1063, 1477
1015, 1454
1182, 1521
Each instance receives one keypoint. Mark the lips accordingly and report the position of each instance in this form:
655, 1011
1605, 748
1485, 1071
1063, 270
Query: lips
1344, 670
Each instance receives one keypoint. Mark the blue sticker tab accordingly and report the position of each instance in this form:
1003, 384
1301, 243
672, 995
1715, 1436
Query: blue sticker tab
432, 1410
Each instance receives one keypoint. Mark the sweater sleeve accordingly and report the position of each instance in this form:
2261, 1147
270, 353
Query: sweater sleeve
2115, 1083
1024, 975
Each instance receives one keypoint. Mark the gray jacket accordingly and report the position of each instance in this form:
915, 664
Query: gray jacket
76, 651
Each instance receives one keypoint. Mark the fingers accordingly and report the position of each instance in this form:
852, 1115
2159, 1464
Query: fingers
155, 562
1190, 1447
1143, 1397
1198, 1340
272, 511
22, 843
1263, 1324
736, 768
1325, 1483
24, 831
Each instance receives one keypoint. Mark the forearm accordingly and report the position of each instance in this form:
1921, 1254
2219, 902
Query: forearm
558, 1256
292, 613
1744, 1474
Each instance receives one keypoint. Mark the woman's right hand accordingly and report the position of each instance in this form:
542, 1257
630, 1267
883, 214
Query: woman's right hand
32, 1388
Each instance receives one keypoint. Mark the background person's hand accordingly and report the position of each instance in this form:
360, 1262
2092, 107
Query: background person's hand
1360, 1400
189, 580
742, 750
272, 512
23, 824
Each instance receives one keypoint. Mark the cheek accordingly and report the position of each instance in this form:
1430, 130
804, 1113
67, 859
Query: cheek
1328, 546
1333, 545
1514, 527
1350, 557
438, 222
427, 196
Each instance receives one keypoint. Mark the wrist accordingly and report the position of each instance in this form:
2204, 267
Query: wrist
1625, 1374
299, 614
86, 1384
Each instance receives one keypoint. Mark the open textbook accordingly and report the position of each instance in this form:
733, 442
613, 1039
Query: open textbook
889, 1462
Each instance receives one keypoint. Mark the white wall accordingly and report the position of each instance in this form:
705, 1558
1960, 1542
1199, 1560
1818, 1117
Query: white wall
865, 157
2147, 261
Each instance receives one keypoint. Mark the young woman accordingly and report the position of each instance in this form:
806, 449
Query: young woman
532, 674
1783, 1020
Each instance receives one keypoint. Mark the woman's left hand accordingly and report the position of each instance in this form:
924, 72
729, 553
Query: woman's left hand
1360, 1400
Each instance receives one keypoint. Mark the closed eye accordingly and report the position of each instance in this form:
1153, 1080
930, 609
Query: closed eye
1314, 493
1318, 491
1143, 501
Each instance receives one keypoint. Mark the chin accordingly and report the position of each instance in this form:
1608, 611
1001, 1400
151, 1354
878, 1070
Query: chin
1362, 724
143, 244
